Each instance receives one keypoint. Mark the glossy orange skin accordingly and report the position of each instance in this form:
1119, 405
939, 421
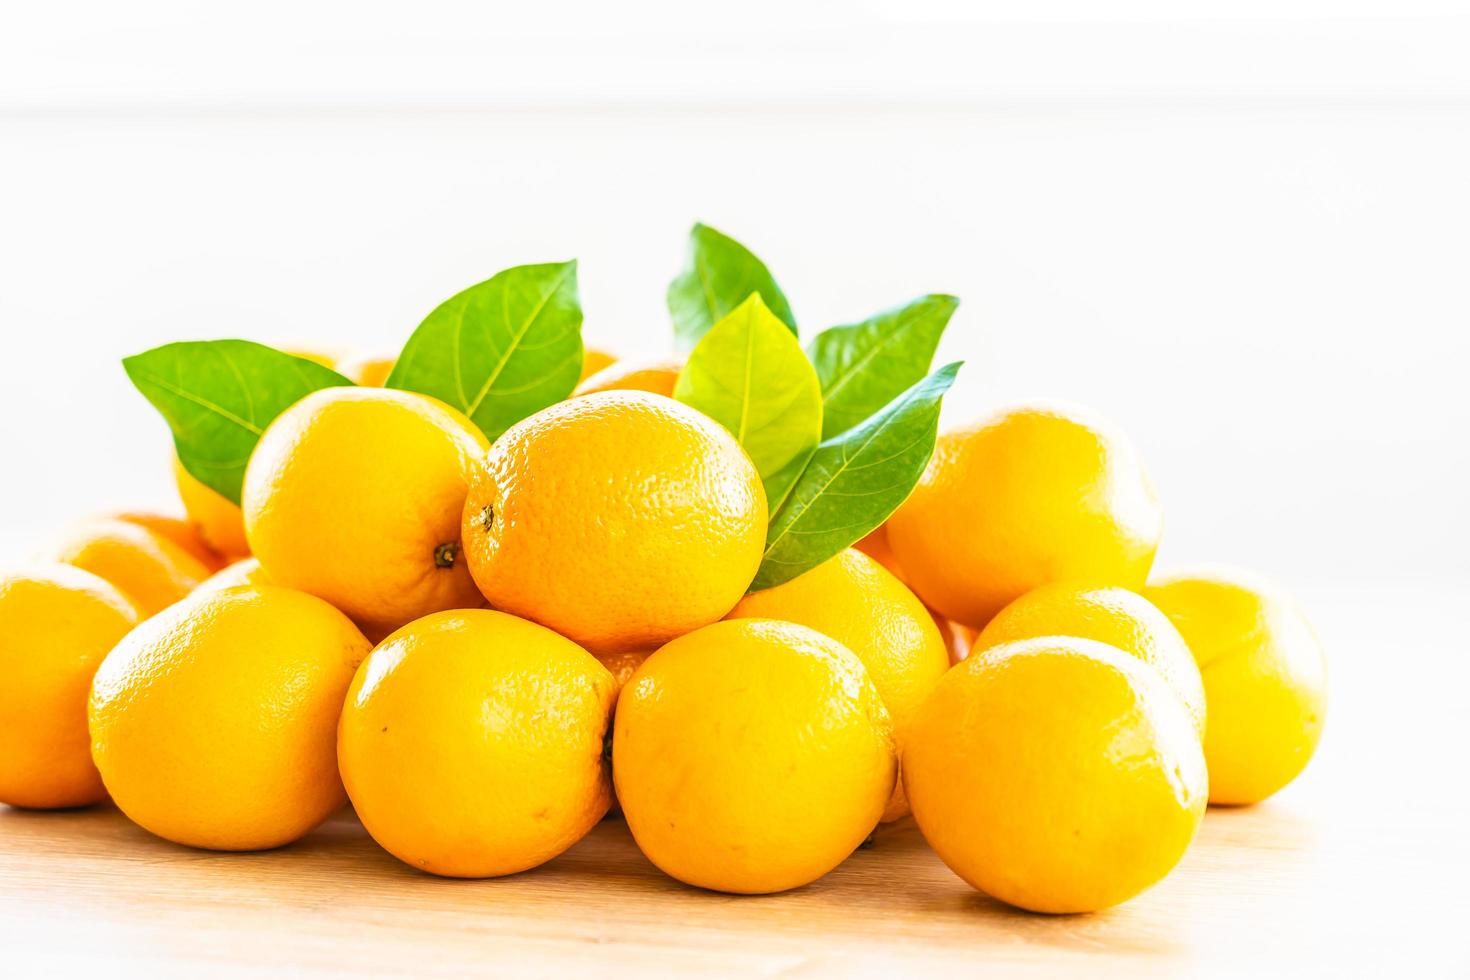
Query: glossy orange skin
214, 723
181, 531
150, 569
57, 622
621, 520
355, 494
246, 571
1057, 774
594, 360
219, 522
367, 371
652, 374
1022, 498
472, 743
860, 604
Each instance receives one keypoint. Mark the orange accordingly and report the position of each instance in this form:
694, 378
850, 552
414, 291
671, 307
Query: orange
472, 743
857, 602
653, 374
150, 569
56, 624
877, 546
1028, 496
1265, 677
214, 723
181, 531
217, 520
752, 756
594, 360
354, 495
620, 520
366, 370
1057, 774
1109, 615
246, 571
623, 664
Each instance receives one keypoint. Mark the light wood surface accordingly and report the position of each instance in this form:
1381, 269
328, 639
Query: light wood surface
1356, 868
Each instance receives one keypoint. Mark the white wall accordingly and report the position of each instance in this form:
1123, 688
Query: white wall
1240, 232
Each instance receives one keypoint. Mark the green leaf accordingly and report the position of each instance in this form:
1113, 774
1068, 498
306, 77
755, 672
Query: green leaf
865, 366
750, 375
219, 395
717, 277
500, 350
853, 482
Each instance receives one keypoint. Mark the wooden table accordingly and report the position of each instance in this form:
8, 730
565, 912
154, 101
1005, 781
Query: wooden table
1357, 867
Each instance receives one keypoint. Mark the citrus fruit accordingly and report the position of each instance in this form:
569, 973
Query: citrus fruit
877, 546
367, 370
214, 723
652, 374
1108, 614
1057, 774
1025, 497
218, 520
620, 520
752, 756
472, 743
594, 360
246, 571
1265, 677
57, 622
150, 569
354, 495
180, 530
623, 664
860, 604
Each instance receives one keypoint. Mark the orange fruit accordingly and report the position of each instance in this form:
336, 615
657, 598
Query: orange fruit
1057, 774
620, 520
218, 520
180, 530
623, 664
57, 622
752, 756
366, 370
150, 569
246, 571
214, 723
877, 546
1028, 496
657, 375
594, 360
1265, 677
472, 743
354, 495
860, 604
1109, 615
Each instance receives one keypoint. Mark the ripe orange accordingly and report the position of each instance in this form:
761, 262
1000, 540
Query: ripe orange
354, 495
150, 569
246, 571
752, 756
620, 520
1025, 497
857, 602
214, 723
367, 370
654, 374
472, 743
1056, 774
180, 530
594, 360
57, 622
217, 520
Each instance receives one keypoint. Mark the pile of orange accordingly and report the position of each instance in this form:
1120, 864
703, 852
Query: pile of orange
485, 646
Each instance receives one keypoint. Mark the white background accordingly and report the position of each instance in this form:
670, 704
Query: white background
1240, 230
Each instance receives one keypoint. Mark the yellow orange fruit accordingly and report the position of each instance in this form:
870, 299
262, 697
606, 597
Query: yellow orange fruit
472, 743
877, 546
327, 358
180, 530
1022, 498
246, 571
594, 360
150, 569
860, 604
657, 375
623, 664
1111, 615
752, 756
1265, 677
214, 723
355, 494
620, 520
1057, 774
57, 622
366, 370
218, 520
